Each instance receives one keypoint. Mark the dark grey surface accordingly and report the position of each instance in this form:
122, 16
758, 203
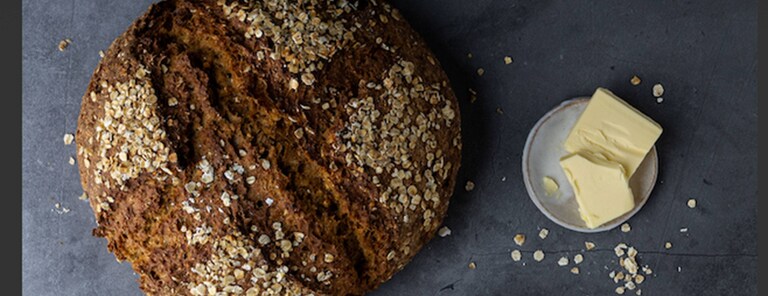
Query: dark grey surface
703, 52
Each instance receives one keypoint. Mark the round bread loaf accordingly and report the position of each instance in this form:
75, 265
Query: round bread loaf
268, 147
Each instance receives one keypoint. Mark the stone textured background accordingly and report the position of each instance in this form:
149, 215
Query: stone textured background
703, 52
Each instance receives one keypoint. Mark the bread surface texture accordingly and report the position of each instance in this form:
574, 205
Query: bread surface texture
268, 147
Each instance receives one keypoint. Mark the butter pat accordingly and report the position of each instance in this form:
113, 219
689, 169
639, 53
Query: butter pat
600, 185
613, 129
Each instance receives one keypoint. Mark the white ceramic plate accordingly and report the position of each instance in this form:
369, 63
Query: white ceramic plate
541, 157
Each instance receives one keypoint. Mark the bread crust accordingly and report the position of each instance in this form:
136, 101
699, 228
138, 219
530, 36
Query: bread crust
283, 147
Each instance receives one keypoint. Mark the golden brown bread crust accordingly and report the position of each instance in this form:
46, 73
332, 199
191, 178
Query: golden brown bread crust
268, 147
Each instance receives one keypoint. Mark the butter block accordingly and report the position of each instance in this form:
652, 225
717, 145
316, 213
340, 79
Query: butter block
612, 128
601, 187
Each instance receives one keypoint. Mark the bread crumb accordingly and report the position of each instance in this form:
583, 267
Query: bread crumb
472, 265
563, 261
691, 203
507, 60
625, 227
619, 290
575, 270
659, 100
71, 161
589, 245
635, 80
668, 245
538, 255
480, 71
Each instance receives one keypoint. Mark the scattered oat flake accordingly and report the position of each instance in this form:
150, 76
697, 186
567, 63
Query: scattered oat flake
543, 233
658, 90
647, 270
578, 258
472, 265
691, 203
632, 252
679, 269
444, 231
684, 229
519, 239
668, 245
575, 270
563, 261
639, 279
619, 250
480, 71
59, 209
472, 98
538, 255
507, 60
635, 80
469, 186
589, 245
68, 139
516, 255
630, 285
625, 227
63, 44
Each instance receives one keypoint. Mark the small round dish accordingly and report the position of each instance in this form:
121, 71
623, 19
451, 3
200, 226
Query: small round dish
541, 158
